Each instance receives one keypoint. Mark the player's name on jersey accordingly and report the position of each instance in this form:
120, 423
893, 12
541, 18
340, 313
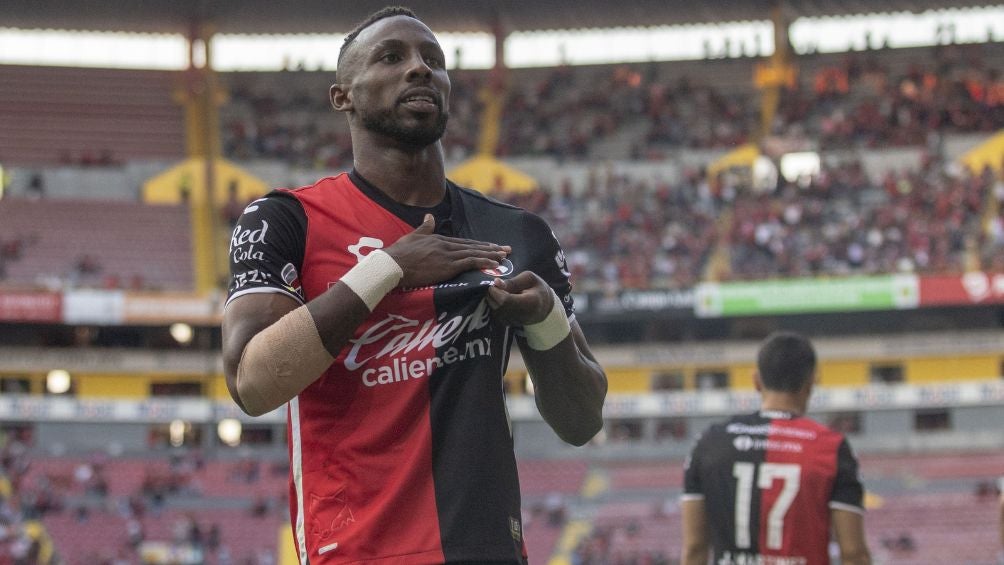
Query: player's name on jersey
740, 558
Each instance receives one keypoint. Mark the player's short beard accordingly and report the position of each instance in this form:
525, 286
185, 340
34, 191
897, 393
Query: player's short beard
421, 135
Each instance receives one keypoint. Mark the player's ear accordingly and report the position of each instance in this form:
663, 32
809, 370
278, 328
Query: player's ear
340, 98
757, 381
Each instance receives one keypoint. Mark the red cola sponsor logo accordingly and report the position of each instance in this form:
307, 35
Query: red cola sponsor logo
396, 335
248, 237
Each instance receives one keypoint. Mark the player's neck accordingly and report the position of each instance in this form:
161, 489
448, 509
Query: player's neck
412, 178
773, 401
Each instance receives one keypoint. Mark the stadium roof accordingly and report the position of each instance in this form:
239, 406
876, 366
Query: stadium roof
328, 16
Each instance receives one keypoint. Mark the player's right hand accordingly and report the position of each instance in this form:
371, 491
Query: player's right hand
428, 258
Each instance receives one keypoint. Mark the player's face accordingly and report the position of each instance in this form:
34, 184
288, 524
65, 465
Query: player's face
400, 88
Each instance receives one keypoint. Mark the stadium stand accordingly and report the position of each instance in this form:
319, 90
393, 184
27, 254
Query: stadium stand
114, 510
635, 519
619, 232
92, 117
64, 243
885, 98
629, 231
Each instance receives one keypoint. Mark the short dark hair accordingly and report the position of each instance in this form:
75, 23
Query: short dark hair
383, 13
786, 362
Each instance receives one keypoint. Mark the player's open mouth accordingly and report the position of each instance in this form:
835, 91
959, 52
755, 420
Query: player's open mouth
420, 102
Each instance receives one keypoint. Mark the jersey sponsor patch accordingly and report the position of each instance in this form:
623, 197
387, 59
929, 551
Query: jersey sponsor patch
291, 278
243, 241
504, 269
365, 246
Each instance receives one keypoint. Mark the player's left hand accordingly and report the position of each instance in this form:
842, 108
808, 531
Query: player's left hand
522, 300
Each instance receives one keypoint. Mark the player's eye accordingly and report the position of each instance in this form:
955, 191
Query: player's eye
391, 57
434, 62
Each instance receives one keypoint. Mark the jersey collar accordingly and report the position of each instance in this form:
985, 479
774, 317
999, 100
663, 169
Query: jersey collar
412, 215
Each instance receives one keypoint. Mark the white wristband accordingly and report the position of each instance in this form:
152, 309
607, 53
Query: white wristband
374, 276
550, 331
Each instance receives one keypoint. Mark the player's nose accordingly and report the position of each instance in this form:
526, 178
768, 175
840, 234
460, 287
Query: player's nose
418, 68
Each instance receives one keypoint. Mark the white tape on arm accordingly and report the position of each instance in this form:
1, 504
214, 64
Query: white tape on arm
550, 331
376, 275
280, 361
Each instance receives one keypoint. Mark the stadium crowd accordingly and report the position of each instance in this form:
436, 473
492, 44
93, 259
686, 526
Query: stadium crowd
85, 491
568, 112
626, 232
841, 223
621, 232
23, 541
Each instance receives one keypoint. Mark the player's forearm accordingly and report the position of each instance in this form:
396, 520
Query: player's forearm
859, 556
569, 390
269, 363
1001, 522
338, 312
695, 554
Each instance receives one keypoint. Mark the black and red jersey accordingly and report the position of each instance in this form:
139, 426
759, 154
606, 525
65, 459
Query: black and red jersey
769, 481
402, 451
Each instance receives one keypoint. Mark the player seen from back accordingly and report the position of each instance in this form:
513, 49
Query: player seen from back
769, 488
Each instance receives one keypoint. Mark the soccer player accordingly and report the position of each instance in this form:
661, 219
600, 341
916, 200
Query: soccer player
380, 306
765, 488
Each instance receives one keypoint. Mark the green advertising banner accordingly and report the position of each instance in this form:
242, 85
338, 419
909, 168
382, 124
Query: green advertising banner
802, 296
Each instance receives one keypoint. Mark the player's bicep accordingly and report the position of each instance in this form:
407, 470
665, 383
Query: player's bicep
549, 260
692, 484
849, 532
695, 531
848, 492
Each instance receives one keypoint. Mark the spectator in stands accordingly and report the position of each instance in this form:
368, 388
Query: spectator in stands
261, 506
213, 538
902, 544
36, 186
986, 490
555, 509
135, 533
766, 464
87, 264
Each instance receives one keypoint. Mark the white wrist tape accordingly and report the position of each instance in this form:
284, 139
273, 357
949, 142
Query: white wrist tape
550, 331
374, 276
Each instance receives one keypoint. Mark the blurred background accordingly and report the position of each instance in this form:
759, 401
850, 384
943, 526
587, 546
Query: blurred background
714, 171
